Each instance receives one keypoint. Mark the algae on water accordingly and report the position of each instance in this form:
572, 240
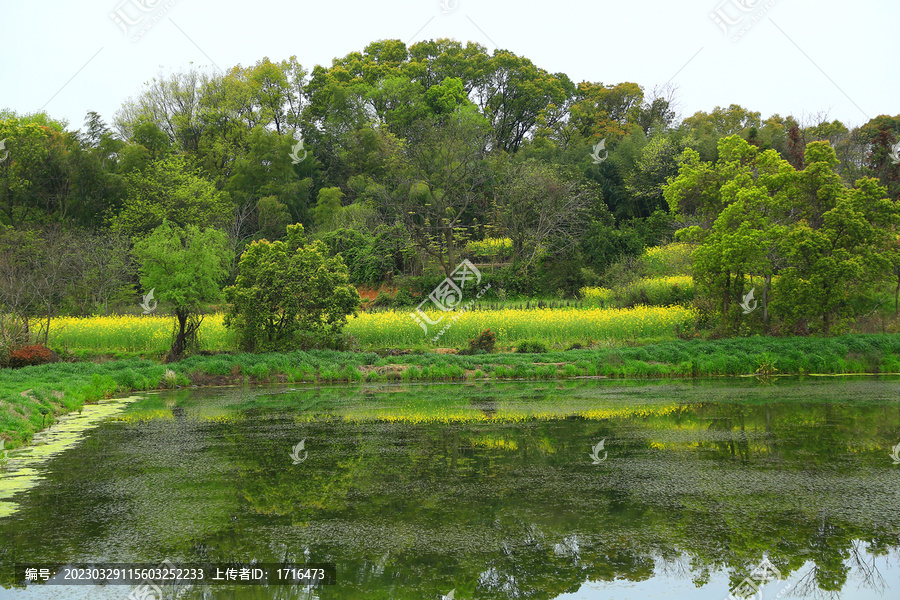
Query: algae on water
25, 465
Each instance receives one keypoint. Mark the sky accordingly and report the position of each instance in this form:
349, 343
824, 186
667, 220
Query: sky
808, 59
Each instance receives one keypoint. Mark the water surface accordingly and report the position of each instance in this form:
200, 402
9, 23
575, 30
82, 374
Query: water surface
486, 489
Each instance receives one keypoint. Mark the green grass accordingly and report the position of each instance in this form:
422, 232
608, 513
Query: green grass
31, 397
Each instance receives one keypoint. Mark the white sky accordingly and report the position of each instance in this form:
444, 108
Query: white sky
799, 57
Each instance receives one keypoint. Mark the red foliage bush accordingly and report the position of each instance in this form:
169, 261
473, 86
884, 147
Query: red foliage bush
486, 340
23, 356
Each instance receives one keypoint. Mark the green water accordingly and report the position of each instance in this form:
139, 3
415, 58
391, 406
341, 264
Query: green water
489, 490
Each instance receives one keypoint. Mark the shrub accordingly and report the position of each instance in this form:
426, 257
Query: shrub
530, 347
491, 248
663, 261
486, 341
383, 300
24, 356
659, 291
4, 455
401, 299
290, 294
170, 378
13, 333
597, 295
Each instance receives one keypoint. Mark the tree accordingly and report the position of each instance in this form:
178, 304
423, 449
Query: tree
25, 170
51, 269
17, 302
645, 183
271, 217
881, 135
185, 267
512, 92
444, 174
266, 169
738, 209
840, 259
289, 293
172, 104
601, 111
168, 190
656, 113
102, 271
327, 206
811, 239
540, 210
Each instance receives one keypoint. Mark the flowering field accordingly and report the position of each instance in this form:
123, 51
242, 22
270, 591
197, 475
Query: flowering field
563, 326
129, 333
671, 259
657, 291
132, 333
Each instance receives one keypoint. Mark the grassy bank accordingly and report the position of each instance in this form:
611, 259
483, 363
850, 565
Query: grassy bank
31, 397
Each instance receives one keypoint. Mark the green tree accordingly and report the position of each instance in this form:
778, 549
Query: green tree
446, 97
17, 279
266, 169
832, 264
539, 209
327, 206
172, 104
288, 293
185, 267
645, 183
443, 177
512, 93
601, 111
27, 171
170, 190
816, 244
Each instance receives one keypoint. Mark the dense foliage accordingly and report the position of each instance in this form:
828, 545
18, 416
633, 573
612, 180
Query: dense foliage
403, 161
289, 294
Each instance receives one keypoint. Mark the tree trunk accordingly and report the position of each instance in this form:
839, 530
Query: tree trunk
187, 329
448, 239
178, 345
896, 295
726, 296
47, 331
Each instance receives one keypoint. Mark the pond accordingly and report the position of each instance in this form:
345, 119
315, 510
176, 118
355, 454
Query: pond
484, 490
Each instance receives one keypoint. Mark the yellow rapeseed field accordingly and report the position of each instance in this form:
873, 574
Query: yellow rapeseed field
131, 333
150, 333
513, 325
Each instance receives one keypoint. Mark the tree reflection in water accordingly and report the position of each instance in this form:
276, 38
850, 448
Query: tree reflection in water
489, 490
